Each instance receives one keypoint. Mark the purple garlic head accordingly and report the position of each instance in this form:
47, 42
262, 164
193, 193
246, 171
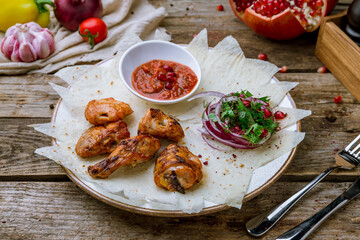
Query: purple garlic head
27, 42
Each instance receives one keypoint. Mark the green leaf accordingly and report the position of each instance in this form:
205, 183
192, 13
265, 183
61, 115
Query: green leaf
212, 117
265, 99
246, 93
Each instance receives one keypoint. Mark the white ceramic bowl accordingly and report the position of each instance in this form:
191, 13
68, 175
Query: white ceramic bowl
149, 50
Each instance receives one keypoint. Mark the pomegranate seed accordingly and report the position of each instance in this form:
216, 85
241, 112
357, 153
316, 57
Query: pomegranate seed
220, 8
168, 68
238, 8
170, 79
262, 56
319, 3
279, 115
283, 69
169, 85
205, 163
282, 7
271, 6
312, 13
171, 74
277, 4
161, 77
302, 16
275, 10
257, 5
248, 4
298, 3
337, 99
322, 69
246, 103
265, 8
243, 5
267, 113
264, 133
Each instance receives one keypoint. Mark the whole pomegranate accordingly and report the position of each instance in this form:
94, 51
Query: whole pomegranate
282, 19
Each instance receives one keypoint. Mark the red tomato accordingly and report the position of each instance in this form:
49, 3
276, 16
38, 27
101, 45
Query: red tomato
93, 30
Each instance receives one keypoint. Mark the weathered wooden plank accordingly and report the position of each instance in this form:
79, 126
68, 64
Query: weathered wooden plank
17, 145
62, 211
26, 96
32, 96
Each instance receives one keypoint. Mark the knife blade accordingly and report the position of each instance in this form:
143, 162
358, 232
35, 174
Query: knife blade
303, 230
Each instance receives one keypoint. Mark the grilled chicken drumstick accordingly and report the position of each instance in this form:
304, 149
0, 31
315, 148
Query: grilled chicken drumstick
177, 169
160, 125
101, 139
130, 151
100, 112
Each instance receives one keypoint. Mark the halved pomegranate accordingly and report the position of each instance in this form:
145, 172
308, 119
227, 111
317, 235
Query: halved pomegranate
282, 19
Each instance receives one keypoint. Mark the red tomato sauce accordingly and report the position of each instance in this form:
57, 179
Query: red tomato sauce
163, 80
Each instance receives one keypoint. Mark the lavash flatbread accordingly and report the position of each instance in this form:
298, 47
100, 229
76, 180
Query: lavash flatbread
227, 175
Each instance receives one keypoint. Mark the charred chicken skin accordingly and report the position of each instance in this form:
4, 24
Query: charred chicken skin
160, 125
100, 112
131, 151
177, 169
101, 139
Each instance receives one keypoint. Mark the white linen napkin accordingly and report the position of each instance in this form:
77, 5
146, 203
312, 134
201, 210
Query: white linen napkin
127, 20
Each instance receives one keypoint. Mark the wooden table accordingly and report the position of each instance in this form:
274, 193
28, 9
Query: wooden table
38, 201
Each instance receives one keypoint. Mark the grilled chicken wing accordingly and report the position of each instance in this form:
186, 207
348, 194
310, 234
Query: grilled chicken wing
101, 139
100, 112
177, 169
160, 125
131, 151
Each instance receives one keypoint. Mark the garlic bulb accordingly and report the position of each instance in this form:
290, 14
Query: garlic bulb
27, 42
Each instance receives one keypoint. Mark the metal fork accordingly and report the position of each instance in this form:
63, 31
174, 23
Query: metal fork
347, 158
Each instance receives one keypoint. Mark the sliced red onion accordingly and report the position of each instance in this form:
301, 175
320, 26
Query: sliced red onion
219, 130
217, 114
208, 143
240, 139
228, 142
203, 131
206, 94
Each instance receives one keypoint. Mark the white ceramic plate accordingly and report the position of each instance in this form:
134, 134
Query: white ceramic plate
262, 178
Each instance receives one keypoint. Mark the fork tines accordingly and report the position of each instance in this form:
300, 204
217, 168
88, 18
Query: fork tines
351, 152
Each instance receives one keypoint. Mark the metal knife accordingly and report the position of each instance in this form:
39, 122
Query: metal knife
303, 230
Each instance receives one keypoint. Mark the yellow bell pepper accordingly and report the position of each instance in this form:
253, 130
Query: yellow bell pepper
23, 11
